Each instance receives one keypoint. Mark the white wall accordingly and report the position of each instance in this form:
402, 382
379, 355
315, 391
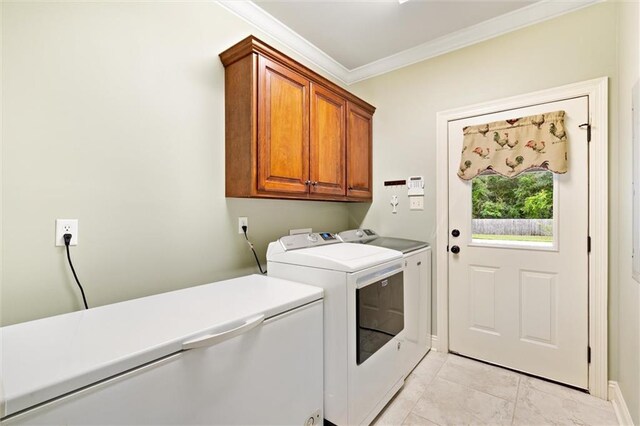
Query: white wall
574, 47
113, 114
627, 351
601, 40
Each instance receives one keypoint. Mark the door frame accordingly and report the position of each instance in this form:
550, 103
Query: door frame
597, 91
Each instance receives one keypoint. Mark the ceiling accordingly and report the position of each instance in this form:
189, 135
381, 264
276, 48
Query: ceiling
356, 33
353, 40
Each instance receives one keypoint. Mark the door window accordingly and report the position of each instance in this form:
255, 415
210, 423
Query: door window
514, 211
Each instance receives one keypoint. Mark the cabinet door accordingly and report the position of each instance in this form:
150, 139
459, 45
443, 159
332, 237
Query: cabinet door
283, 129
359, 136
327, 150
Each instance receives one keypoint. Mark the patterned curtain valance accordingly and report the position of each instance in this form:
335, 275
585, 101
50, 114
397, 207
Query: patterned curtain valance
513, 146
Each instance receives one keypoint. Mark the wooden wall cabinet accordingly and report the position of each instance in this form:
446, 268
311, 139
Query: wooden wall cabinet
359, 145
290, 133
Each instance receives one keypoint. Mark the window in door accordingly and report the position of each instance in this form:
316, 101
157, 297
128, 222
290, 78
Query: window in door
514, 211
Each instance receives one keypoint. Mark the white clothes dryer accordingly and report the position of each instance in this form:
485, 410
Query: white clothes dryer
364, 319
417, 288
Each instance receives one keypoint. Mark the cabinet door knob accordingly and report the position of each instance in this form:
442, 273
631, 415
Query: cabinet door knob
307, 182
315, 183
350, 188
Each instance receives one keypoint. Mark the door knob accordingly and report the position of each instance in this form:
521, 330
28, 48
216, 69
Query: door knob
455, 233
455, 249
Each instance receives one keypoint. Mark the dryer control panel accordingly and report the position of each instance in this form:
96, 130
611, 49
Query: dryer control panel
313, 239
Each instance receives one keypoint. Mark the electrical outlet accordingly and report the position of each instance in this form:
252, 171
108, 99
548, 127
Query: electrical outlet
66, 226
243, 221
416, 203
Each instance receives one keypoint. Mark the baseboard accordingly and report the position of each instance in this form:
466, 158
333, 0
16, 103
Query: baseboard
619, 405
434, 343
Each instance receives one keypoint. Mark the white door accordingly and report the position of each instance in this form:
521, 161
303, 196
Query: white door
522, 301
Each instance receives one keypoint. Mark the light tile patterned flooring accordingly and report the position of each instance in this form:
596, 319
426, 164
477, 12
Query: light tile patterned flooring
445, 389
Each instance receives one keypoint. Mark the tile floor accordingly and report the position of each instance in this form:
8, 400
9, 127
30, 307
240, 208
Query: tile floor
445, 389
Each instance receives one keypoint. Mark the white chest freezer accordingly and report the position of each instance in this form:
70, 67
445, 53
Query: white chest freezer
242, 351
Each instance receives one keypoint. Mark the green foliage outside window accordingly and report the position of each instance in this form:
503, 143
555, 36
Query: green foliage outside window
527, 196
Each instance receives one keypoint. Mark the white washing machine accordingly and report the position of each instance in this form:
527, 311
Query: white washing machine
417, 286
364, 321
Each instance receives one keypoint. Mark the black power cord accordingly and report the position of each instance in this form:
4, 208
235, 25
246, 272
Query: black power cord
67, 240
244, 229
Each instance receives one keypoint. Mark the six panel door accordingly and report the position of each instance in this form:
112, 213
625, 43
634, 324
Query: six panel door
522, 302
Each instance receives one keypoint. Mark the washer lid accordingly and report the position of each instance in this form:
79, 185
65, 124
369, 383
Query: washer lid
345, 257
400, 244
368, 236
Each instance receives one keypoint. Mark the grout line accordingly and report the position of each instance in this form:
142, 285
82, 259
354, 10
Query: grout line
426, 385
405, 417
492, 369
515, 404
413, 405
440, 368
422, 417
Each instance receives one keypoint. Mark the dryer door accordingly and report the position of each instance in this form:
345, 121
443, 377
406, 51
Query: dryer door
379, 314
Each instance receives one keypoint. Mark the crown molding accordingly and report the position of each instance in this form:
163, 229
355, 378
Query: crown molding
512, 21
259, 18
517, 19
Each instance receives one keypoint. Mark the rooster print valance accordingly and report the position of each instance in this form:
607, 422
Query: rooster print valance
513, 146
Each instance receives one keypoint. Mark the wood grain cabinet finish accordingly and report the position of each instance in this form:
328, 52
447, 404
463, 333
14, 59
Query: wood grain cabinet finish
359, 152
290, 133
283, 129
327, 170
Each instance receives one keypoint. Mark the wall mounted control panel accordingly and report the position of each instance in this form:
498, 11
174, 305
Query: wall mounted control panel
415, 185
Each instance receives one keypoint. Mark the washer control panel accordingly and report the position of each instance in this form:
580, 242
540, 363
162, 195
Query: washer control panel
358, 235
313, 239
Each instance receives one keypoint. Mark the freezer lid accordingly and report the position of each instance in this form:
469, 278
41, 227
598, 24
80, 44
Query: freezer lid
44, 359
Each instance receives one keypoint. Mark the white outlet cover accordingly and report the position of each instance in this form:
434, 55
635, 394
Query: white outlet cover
64, 226
416, 203
242, 221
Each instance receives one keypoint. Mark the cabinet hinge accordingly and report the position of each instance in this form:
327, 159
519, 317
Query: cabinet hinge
589, 244
588, 127
447, 249
589, 354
